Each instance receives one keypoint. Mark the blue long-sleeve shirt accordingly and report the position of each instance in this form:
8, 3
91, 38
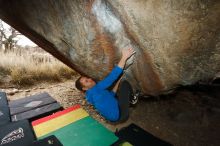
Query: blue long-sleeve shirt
103, 99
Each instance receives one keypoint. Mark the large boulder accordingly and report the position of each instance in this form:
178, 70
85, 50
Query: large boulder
177, 42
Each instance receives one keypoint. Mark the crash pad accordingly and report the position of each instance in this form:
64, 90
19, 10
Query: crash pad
30, 102
74, 126
3, 99
4, 109
48, 141
17, 134
4, 115
137, 136
37, 112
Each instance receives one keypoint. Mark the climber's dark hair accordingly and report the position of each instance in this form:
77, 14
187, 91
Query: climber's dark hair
78, 84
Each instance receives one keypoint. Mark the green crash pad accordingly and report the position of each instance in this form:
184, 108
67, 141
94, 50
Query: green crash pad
84, 132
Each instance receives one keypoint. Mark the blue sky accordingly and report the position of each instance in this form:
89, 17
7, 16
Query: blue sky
23, 41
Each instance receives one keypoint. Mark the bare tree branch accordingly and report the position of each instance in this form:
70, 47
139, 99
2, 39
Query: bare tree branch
8, 37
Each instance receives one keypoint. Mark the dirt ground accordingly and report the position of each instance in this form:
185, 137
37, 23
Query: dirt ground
184, 118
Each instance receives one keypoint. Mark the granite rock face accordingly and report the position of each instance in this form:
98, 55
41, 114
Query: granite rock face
177, 42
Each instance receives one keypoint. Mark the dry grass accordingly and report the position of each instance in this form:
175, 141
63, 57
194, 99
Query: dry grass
27, 68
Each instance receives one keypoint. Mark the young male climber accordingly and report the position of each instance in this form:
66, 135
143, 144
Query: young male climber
113, 104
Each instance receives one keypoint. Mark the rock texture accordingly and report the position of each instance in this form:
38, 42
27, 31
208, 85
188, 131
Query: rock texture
177, 42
